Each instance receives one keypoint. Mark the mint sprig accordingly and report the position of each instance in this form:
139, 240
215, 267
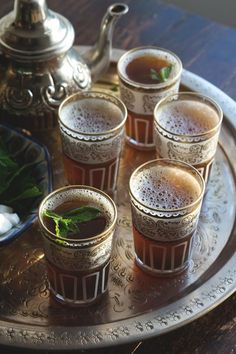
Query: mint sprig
69, 221
18, 186
162, 75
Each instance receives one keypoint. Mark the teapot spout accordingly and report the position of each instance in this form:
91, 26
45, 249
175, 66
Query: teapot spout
98, 57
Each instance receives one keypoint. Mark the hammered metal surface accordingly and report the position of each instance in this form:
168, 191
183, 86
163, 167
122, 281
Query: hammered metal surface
137, 305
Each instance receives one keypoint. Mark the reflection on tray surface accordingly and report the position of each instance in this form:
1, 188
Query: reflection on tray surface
24, 283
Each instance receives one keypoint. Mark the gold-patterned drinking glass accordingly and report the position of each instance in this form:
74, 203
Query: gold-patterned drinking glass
187, 127
146, 74
166, 197
78, 266
92, 135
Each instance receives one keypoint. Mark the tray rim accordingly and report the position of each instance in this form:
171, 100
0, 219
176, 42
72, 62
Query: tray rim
144, 326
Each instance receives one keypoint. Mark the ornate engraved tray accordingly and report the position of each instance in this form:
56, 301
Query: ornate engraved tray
137, 306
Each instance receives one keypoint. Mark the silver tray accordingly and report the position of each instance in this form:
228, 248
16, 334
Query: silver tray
137, 306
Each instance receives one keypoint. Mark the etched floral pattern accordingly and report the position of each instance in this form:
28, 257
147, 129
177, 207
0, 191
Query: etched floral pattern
142, 101
127, 97
165, 229
92, 152
193, 150
72, 259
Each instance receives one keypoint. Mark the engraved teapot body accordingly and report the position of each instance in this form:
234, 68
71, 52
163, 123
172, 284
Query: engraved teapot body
39, 66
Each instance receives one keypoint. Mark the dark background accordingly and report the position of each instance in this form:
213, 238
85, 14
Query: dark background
216, 10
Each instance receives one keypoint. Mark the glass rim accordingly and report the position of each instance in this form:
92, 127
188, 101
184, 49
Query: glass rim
81, 240
196, 95
83, 94
176, 162
160, 85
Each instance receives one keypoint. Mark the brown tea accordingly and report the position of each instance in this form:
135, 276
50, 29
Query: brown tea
78, 284
162, 256
92, 131
101, 175
163, 215
139, 127
146, 75
189, 123
139, 69
77, 224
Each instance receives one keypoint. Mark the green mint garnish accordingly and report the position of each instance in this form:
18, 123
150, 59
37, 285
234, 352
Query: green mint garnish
18, 186
69, 221
154, 75
114, 88
162, 75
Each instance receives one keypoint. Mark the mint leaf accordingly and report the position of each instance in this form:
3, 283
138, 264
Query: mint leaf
67, 222
114, 88
17, 183
62, 225
162, 75
28, 193
165, 72
154, 75
84, 213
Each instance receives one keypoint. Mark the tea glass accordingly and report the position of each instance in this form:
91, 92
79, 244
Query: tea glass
140, 99
166, 197
177, 141
92, 134
78, 268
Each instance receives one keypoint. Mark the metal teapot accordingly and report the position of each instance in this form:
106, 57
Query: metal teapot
39, 66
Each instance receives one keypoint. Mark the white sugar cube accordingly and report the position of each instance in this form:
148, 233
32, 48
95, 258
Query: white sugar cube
13, 218
5, 224
5, 209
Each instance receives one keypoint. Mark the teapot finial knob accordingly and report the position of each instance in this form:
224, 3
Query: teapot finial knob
34, 32
30, 12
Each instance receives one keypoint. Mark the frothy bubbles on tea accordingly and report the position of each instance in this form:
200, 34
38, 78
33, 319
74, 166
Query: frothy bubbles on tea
166, 187
92, 116
187, 117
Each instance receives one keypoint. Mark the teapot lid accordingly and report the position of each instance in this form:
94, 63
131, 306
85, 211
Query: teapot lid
32, 31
